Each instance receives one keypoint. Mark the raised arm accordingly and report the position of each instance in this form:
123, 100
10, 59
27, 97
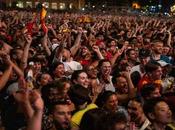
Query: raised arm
34, 123
45, 44
22, 97
77, 43
50, 27
131, 90
5, 77
118, 53
97, 50
23, 63
17, 70
169, 38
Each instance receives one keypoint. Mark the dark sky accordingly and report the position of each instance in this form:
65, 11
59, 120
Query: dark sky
128, 2
110, 2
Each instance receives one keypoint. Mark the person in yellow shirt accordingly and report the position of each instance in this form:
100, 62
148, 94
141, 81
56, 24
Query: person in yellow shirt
79, 95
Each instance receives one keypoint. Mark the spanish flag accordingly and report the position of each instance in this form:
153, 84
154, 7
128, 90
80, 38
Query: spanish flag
43, 13
42, 19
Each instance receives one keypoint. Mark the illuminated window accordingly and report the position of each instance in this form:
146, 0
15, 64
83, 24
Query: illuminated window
10, 4
29, 4
20, 4
71, 6
54, 6
62, 6
135, 5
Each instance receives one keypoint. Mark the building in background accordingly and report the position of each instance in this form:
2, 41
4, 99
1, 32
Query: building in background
154, 6
52, 4
108, 3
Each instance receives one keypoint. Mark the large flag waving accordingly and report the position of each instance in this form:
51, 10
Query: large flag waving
43, 14
41, 10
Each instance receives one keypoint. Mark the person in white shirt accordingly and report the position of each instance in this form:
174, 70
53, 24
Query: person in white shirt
138, 71
69, 63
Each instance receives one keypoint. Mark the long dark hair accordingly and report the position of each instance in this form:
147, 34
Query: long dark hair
103, 97
91, 120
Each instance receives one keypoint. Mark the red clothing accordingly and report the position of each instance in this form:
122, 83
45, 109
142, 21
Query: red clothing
108, 56
145, 80
84, 62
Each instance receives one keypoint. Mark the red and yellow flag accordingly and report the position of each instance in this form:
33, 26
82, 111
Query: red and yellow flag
42, 19
43, 13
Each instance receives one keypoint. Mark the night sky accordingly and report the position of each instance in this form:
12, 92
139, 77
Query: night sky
128, 2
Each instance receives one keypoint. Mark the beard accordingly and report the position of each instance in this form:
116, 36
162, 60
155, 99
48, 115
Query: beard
60, 127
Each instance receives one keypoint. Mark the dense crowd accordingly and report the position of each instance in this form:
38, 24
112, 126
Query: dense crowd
86, 72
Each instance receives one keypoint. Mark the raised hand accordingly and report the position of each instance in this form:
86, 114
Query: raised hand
80, 30
96, 48
126, 74
37, 101
28, 38
22, 95
97, 89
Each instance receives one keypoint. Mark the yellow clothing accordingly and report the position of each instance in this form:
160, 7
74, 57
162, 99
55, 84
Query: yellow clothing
76, 118
172, 126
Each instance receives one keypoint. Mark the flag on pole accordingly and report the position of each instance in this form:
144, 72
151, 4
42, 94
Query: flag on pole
43, 14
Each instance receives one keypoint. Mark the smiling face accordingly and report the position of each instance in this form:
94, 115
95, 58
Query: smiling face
158, 47
59, 72
112, 47
121, 85
37, 66
92, 72
84, 51
106, 68
45, 79
54, 95
83, 80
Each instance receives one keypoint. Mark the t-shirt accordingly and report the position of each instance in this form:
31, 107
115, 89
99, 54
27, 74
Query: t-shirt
109, 86
146, 80
72, 65
76, 118
137, 68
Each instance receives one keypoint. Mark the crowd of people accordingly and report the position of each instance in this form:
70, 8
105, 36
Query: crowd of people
86, 72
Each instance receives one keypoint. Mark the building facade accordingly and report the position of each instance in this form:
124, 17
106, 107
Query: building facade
52, 4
